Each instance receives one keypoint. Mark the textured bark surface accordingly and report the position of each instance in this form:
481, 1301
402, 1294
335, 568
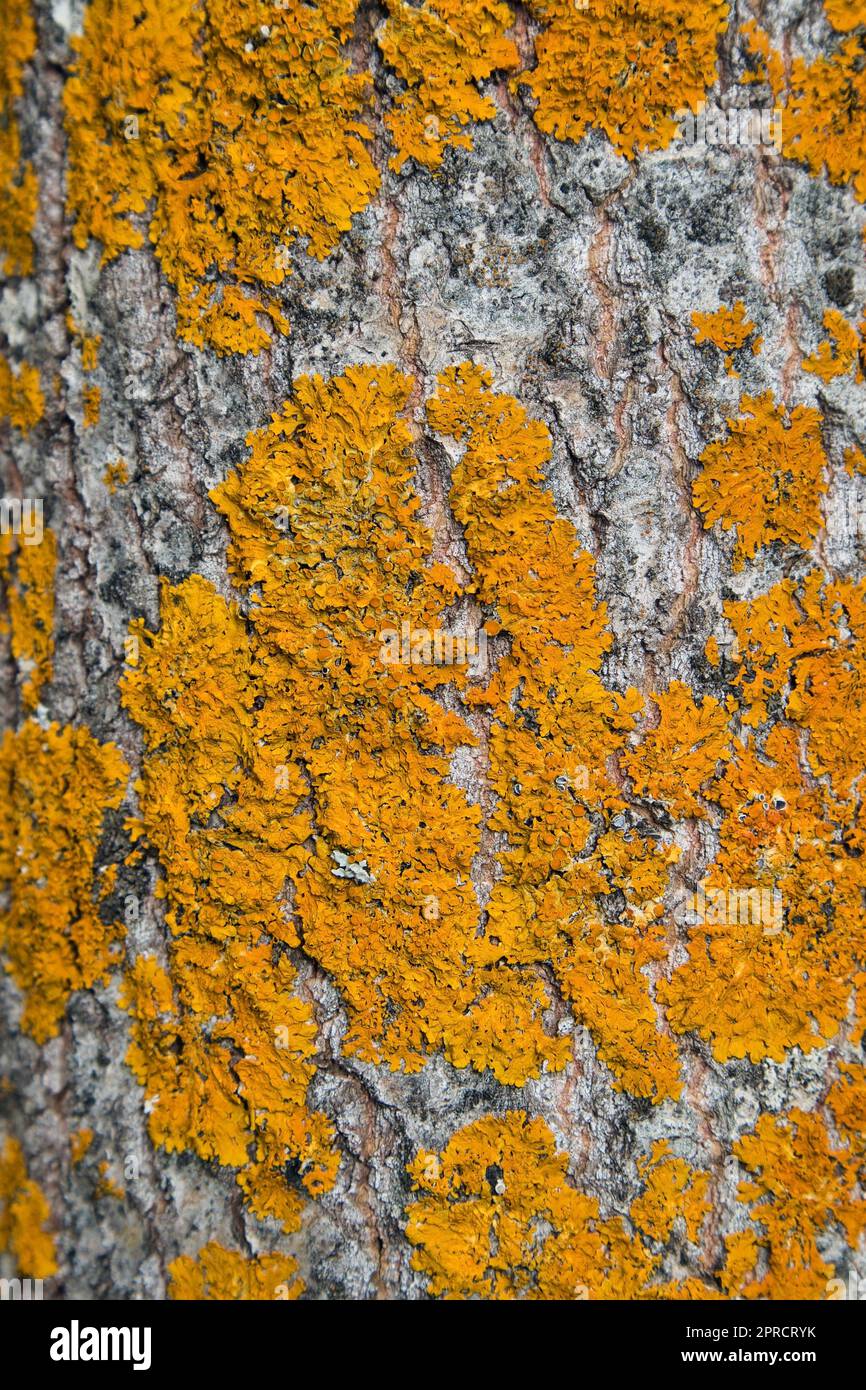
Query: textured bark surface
571, 274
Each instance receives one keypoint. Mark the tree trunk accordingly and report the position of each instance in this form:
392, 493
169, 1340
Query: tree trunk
291, 943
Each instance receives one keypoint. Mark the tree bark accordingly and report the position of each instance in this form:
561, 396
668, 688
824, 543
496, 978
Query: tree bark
571, 274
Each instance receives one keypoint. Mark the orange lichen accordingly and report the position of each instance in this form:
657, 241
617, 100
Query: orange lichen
235, 126
440, 49
727, 329
673, 1192
217, 1273
830, 684
554, 728
21, 398
368, 858
116, 475
90, 353
498, 1219
792, 830
56, 785
758, 983
847, 1101
105, 1184
855, 462
766, 478
627, 69
824, 107
18, 189
27, 577
837, 358
845, 15
92, 398
326, 540
331, 477
326, 537
682, 753
228, 829
88, 345
741, 1257
802, 1187
24, 1217
79, 1144
802, 647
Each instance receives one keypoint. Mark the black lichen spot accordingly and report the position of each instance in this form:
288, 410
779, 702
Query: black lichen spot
653, 233
839, 284
494, 1176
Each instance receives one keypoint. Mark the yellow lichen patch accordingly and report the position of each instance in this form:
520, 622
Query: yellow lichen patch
855, 462
793, 830
18, 190
234, 126
824, 110
845, 15
769, 65
741, 1257
837, 358
727, 329
24, 1217
628, 70
605, 969
21, 398
92, 398
554, 729
829, 694
56, 785
847, 1102
801, 1188
308, 741
326, 539
325, 535
217, 1273
105, 1184
90, 353
766, 478
773, 957
440, 49
673, 1191
116, 475
79, 1144
228, 829
497, 1218
27, 576
681, 755
858, 1030
772, 632
802, 648
88, 345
